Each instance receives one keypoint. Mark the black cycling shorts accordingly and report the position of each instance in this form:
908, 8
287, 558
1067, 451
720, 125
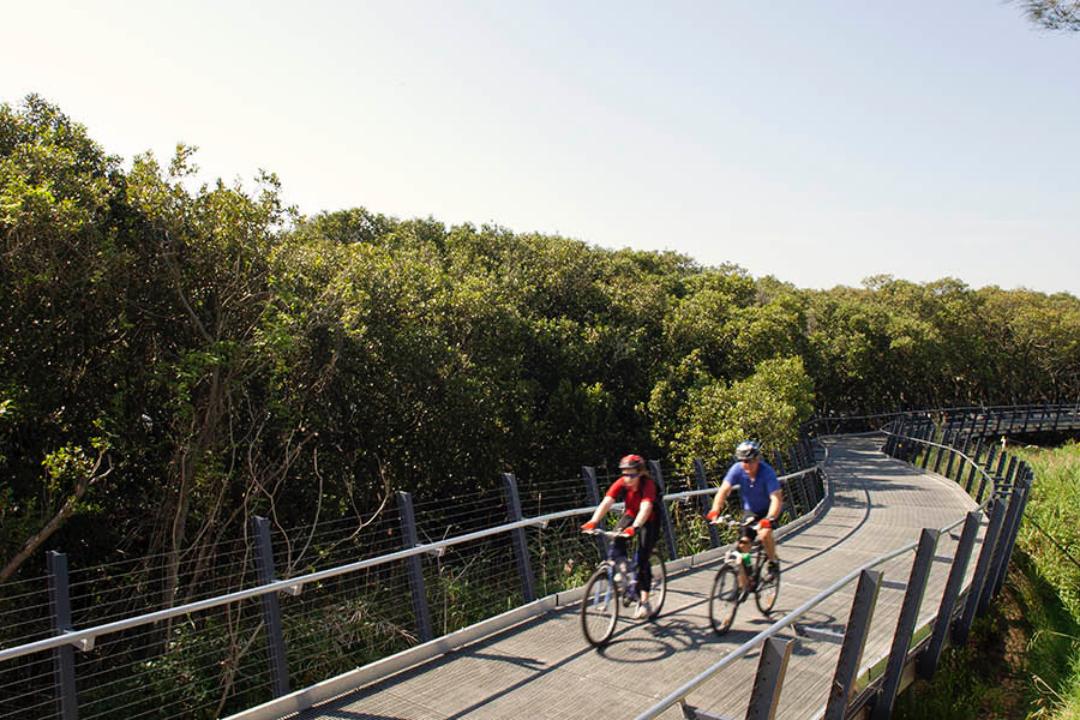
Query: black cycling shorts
749, 520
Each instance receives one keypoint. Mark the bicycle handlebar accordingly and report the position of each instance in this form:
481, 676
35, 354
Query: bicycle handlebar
728, 522
606, 533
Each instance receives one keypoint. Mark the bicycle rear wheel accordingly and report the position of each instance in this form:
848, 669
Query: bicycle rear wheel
724, 599
768, 589
658, 591
600, 607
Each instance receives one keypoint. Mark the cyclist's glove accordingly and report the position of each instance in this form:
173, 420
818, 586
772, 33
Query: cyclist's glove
712, 515
586, 527
765, 524
629, 531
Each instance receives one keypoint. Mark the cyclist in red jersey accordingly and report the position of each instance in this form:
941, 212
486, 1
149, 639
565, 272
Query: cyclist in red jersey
640, 517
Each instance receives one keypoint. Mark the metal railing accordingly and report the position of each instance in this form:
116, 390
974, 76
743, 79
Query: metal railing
1008, 419
804, 495
1011, 483
1007, 481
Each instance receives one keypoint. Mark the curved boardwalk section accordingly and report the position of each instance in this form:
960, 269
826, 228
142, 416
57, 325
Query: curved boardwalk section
544, 669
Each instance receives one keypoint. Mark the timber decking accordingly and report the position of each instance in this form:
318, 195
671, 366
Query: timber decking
544, 669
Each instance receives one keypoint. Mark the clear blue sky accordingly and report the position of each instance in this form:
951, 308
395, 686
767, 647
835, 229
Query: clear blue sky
820, 142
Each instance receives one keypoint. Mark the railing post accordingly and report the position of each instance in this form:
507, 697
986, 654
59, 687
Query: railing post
1027, 416
1010, 474
63, 657
982, 569
798, 492
592, 493
986, 422
974, 469
521, 546
858, 627
941, 452
665, 520
702, 483
271, 610
928, 436
991, 453
792, 458
905, 626
417, 587
928, 662
765, 696
949, 464
1017, 502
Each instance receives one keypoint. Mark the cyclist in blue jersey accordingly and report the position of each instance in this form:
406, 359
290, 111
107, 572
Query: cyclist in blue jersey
762, 498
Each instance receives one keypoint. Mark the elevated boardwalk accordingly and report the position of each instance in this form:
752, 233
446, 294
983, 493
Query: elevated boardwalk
543, 668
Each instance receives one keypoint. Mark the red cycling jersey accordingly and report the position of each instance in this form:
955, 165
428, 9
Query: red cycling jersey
646, 490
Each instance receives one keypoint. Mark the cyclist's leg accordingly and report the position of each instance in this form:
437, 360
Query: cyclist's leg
649, 534
744, 545
768, 540
617, 552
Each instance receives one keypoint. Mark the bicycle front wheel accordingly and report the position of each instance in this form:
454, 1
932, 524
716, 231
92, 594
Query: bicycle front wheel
768, 589
600, 607
724, 599
658, 591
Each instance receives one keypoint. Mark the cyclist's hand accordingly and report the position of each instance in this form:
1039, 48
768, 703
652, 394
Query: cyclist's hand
712, 515
629, 532
764, 524
588, 527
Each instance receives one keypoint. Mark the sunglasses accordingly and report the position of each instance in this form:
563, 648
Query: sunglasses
631, 473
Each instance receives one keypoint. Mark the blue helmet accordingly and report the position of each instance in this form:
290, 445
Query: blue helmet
747, 450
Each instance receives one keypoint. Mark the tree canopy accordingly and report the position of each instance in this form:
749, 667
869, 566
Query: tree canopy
174, 358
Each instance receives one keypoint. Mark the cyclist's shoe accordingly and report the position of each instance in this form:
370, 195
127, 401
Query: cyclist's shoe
644, 610
773, 568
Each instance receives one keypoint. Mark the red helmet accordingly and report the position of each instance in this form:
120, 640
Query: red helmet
632, 462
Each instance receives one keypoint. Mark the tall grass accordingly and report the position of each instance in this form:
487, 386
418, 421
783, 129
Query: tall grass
1050, 539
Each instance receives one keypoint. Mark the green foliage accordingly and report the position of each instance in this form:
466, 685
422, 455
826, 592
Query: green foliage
230, 357
768, 406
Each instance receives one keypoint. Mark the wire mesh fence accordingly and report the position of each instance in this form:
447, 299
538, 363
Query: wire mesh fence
216, 661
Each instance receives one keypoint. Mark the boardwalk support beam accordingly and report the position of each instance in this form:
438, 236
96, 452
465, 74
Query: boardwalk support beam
521, 546
665, 521
905, 626
271, 610
63, 657
417, 587
765, 697
927, 664
701, 482
592, 494
858, 628
982, 570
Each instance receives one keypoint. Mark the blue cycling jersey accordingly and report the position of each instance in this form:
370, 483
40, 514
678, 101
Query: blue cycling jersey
755, 493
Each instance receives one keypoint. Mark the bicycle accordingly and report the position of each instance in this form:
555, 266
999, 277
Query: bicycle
726, 595
610, 587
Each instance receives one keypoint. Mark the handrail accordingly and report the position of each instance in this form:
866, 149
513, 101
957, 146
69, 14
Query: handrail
973, 462
694, 683
85, 638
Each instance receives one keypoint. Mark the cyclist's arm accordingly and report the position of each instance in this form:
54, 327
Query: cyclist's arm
718, 499
642, 514
776, 501
602, 508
